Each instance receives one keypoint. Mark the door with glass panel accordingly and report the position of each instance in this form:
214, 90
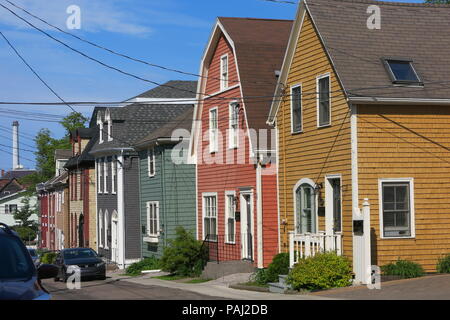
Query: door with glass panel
305, 210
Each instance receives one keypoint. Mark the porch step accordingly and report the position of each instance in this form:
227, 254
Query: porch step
214, 270
281, 286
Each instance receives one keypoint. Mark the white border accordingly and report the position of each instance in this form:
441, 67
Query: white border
229, 193
224, 86
329, 203
204, 195
318, 78
151, 150
298, 85
297, 185
411, 199
213, 148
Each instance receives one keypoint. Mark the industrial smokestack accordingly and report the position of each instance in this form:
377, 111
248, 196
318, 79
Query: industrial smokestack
16, 163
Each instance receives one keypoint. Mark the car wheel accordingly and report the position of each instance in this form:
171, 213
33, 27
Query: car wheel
56, 279
102, 277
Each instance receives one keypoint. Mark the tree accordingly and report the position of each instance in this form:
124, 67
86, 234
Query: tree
438, 1
27, 229
73, 121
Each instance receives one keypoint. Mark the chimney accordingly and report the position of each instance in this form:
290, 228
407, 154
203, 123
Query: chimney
3, 173
16, 163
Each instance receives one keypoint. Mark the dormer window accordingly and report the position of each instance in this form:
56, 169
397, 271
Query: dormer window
100, 124
402, 71
110, 138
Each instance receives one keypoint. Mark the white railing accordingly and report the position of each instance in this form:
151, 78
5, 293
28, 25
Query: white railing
308, 244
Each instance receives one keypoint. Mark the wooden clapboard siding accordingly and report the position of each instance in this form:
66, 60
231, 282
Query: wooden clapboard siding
269, 214
316, 152
408, 142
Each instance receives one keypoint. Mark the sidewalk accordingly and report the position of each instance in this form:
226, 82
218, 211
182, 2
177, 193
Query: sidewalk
217, 288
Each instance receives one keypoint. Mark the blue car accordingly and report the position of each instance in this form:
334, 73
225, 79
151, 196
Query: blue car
19, 277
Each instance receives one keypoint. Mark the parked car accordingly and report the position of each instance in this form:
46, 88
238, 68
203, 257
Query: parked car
19, 277
34, 256
86, 260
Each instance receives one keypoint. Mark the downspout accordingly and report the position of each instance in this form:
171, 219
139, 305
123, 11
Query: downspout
164, 205
259, 215
140, 207
120, 204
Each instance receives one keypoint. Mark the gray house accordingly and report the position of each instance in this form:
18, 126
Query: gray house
117, 165
167, 184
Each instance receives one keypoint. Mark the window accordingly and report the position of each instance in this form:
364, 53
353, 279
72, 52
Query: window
210, 217
305, 213
224, 72
402, 71
153, 219
233, 125
230, 218
100, 227
151, 162
106, 227
10, 208
397, 208
105, 176
296, 109
114, 175
99, 175
110, 138
100, 132
213, 131
323, 101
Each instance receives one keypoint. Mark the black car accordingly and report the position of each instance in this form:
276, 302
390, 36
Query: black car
34, 255
19, 277
85, 260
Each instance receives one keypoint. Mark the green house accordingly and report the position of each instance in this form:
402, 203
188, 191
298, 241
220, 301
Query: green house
166, 183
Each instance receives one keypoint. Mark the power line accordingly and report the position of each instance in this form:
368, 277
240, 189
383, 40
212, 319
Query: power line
33, 161
32, 70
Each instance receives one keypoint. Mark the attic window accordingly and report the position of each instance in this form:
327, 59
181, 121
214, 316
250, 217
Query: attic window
402, 71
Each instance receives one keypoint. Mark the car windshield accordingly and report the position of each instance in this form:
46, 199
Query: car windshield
15, 263
79, 254
32, 252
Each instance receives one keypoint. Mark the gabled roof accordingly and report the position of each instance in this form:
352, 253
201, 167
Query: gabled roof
414, 31
184, 121
186, 89
16, 174
12, 187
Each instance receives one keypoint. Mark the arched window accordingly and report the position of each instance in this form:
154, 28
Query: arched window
100, 228
305, 207
106, 224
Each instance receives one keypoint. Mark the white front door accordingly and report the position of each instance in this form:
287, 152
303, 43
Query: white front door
246, 200
114, 238
333, 207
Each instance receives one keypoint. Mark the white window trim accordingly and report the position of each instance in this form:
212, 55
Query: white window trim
204, 196
114, 175
99, 175
233, 134
149, 237
224, 84
105, 175
105, 222
101, 220
214, 145
298, 85
227, 194
316, 197
108, 119
101, 140
318, 99
153, 158
411, 199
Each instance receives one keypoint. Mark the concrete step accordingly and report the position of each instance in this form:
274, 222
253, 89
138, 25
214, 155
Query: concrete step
275, 287
282, 280
214, 270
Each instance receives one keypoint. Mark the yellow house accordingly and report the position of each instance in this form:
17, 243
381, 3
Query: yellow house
362, 112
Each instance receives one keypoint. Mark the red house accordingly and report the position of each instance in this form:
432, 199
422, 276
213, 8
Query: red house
232, 145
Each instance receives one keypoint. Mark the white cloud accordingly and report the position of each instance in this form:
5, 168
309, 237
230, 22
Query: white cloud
96, 16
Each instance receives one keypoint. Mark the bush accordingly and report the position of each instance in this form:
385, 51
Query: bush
48, 258
403, 268
259, 277
443, 265
323, 271
136, 268
279, 265
184, 256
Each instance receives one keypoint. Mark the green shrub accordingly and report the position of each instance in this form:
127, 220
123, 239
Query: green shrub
184, 256
259, 277
136, 268
323, 271
48, 258
279, 265
403, 268
443, 265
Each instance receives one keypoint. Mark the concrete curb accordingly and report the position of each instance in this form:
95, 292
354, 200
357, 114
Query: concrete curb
249, 288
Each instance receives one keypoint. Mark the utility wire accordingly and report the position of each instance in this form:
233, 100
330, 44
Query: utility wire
34, 72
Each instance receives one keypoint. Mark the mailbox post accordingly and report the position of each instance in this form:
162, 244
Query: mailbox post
361, 244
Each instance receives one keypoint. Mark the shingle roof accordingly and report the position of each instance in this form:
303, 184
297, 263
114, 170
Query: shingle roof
260, 46
17, 174
62, 154
185, 89
183, 121
415, 31
85, 158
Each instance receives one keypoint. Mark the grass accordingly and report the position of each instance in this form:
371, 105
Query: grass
255, 284
170, 277
198, 280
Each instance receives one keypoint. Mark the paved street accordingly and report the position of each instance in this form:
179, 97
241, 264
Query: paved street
114, 289
435, 287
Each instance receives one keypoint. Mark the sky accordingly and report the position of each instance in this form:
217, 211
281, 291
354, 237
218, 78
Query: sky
172, 33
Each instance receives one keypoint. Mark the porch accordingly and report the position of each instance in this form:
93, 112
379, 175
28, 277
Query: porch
308, 244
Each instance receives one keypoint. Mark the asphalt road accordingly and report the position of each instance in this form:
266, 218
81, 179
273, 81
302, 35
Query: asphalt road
111, 289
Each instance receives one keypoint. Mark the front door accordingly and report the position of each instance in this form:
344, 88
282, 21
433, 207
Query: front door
114, 237
246, 226
333, 209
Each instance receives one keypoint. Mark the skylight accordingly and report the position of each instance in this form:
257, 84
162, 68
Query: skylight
402, 71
